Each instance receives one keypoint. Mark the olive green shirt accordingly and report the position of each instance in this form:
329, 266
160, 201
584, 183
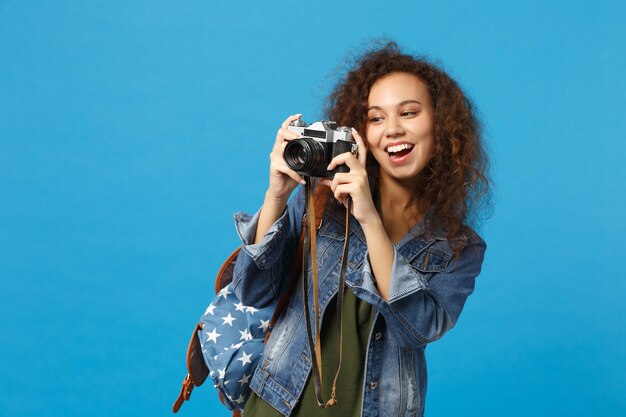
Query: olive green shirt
357, 322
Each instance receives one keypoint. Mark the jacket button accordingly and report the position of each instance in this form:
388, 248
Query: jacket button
378, 335
373, 385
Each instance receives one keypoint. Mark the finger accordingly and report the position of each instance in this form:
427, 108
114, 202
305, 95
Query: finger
281, 148
290, 119
295, 176
360, 143
346, 158
342, 192
340, 159
357, 183
289, 135
283, 168
279, 152
279, 164
341, 178
283, 134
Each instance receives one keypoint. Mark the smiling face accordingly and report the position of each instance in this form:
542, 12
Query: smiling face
400, 125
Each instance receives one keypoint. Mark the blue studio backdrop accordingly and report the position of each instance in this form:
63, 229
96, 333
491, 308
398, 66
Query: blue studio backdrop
130, 131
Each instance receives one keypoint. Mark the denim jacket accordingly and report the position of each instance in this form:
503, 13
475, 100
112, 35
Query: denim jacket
427, 292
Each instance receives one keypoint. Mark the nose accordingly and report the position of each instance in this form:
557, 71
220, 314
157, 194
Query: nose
394, 127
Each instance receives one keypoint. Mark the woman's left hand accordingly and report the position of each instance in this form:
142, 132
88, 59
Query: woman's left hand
354, 183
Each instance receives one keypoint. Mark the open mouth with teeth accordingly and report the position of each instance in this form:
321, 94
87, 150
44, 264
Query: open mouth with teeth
398, 151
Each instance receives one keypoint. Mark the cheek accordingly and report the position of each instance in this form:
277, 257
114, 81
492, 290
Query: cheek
372, 137
425, 129
428, 147
430, 152
427, 139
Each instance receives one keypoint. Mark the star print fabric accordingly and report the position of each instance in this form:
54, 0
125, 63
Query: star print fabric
232, 344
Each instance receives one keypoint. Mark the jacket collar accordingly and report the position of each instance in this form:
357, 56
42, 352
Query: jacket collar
410, 245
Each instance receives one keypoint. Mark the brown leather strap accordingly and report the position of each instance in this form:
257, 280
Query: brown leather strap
185, 393
313, 237
315, 347
225, 274
196, 367
340, 294
320, 198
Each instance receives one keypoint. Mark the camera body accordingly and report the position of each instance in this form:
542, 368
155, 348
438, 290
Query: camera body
318, 144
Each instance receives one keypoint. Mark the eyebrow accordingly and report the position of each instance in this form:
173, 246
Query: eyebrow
402, 103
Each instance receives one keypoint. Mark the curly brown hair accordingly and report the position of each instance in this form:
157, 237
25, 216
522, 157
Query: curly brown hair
456, 185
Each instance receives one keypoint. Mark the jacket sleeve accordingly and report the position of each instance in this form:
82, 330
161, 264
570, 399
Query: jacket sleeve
422, 307
262, 270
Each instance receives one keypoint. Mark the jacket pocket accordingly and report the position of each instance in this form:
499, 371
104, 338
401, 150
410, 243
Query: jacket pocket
432, 260
330, 246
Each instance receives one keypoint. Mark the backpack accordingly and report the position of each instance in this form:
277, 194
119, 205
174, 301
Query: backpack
199, 359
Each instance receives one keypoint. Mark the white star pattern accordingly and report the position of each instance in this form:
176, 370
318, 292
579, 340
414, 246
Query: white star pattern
245, 358
265, 324
245, 335
213, 336
224, 292
228, 320
228, 354
244, 380
210, 309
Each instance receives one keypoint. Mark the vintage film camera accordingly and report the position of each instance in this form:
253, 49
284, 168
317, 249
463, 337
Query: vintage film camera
320, 142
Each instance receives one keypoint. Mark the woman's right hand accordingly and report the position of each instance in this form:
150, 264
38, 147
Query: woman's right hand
283, 180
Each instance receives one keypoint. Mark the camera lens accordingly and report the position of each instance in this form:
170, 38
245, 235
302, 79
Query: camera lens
304, 154
300, 155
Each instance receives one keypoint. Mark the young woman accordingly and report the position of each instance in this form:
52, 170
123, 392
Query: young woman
419, 176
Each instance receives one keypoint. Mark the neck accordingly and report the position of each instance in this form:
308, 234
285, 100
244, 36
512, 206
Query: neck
399, 206
397, 195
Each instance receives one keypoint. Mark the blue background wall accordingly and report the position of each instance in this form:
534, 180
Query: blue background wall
131, 131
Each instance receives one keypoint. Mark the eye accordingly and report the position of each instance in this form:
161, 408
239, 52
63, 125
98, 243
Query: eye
376, 119
408, 113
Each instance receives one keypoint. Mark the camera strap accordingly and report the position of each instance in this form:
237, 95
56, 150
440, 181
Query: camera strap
315, 347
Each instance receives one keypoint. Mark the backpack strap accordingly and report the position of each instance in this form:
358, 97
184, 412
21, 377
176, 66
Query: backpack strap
314, 340
322, 192
196, 367
225, 274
